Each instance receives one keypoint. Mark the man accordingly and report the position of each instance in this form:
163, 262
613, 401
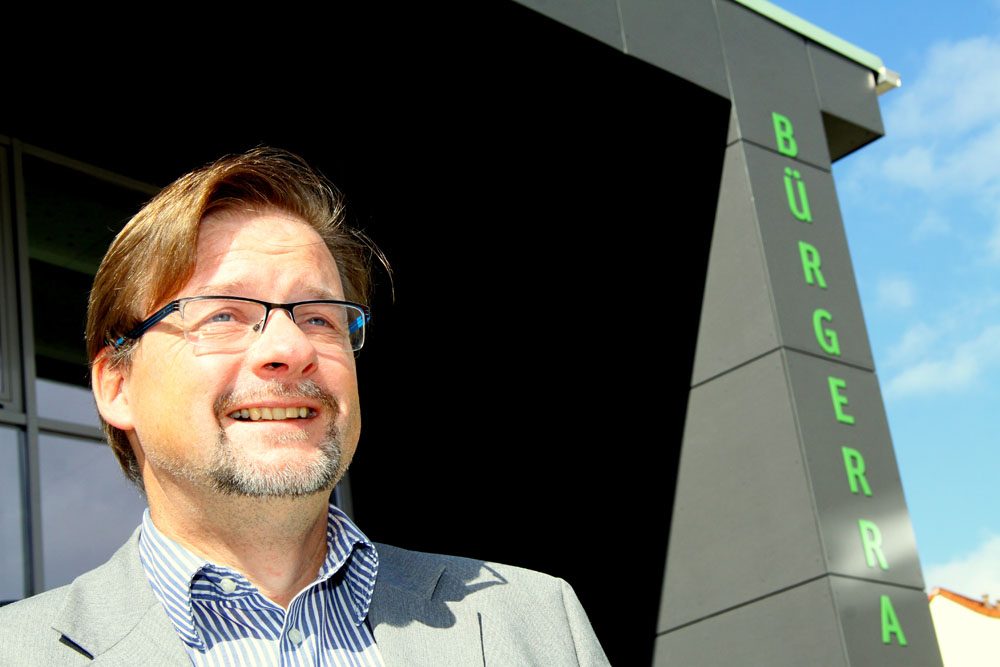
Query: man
221, 329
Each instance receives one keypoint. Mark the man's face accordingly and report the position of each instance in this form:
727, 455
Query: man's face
181, 399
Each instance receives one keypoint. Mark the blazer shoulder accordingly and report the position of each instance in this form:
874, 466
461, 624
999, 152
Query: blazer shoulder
524, 616
457, 564
416, 570
32, 612
26, 632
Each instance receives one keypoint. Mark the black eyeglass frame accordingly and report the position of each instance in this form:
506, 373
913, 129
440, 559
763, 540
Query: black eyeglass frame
175, 305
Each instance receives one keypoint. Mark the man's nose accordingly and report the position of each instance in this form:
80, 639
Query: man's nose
282, 349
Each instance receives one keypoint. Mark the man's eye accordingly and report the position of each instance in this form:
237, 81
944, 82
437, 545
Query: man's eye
316, 321
224, 318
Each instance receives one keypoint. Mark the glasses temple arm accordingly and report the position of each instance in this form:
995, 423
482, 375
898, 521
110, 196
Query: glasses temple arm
147, 324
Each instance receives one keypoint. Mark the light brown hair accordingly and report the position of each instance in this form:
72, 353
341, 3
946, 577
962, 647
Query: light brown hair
154, 254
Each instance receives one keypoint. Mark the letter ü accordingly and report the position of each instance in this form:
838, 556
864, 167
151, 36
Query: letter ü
800, 212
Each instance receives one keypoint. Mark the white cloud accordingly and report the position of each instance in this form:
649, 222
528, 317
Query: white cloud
965, 165
943, 131
993, 243
958, 91
915, 168
915, 343
932, 224
954, 373
896, 293
972, 575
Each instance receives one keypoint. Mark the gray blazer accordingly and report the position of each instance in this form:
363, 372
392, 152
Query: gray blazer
426, 610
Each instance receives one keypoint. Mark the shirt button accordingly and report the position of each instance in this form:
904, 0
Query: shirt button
295, 636
227, 584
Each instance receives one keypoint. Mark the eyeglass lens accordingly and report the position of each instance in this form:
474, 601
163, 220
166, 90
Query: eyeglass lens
231, 324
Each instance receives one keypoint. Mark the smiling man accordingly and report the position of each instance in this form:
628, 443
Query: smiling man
222, 331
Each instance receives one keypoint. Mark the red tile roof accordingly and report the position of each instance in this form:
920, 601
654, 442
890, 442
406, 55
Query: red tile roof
980, 606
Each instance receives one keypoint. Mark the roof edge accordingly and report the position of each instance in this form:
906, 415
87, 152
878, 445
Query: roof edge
885, 78
977, 606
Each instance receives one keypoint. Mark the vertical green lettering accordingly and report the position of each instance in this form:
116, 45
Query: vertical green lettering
854, 464
784, 135
827, 338
798, 206
839, 400
871, 542
890, 623
810, 264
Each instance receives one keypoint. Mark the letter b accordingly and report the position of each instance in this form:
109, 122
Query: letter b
784, 135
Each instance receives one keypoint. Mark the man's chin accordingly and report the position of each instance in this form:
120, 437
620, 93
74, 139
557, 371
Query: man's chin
284, 482
285, 466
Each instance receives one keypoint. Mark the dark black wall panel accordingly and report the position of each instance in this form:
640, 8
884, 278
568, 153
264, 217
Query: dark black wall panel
547, 204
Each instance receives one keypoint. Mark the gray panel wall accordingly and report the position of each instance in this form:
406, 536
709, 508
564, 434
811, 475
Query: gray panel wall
790, 542
789, 519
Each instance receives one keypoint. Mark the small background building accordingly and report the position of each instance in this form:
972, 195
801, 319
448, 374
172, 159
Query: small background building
968, 631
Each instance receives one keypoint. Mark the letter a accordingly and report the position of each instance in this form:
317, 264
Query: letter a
890, 623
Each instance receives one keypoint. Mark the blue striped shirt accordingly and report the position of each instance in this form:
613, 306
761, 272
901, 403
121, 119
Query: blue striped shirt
223, 619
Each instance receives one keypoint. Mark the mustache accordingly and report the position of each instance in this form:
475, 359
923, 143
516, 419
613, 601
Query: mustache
274, 389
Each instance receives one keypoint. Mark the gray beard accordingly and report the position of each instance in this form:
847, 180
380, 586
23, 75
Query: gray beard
234, 474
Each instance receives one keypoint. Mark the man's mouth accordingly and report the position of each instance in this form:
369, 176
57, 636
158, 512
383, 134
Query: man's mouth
258, 403
271, 414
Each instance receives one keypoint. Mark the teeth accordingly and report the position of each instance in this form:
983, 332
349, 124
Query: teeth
273, 414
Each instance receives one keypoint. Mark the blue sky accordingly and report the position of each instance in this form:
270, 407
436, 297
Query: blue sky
921, 207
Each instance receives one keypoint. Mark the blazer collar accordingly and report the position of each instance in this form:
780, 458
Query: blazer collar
419, 612
112, 614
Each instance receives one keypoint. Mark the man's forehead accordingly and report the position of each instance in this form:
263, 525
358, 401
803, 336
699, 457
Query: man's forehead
270, 231
243, 287
237, 249
273, 226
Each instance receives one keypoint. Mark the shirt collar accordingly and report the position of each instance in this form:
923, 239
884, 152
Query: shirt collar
174, 572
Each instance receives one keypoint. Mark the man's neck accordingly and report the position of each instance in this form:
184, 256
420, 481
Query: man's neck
278, 543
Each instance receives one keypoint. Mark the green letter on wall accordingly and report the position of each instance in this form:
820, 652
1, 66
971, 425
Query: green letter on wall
784, 135
827, 338
871, 542
839, 400
810, 264
798, 206
890, 624
854, 464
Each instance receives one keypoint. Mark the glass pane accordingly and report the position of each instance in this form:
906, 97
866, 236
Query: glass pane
72, 218
8, 302
11, 517
88, 507
69, 403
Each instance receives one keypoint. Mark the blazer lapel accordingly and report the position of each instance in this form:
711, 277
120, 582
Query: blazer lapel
414, 626
112, 614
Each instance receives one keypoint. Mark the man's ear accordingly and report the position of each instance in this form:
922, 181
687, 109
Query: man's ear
110, 384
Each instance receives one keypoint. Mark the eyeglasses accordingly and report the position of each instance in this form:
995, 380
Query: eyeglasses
232, 323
